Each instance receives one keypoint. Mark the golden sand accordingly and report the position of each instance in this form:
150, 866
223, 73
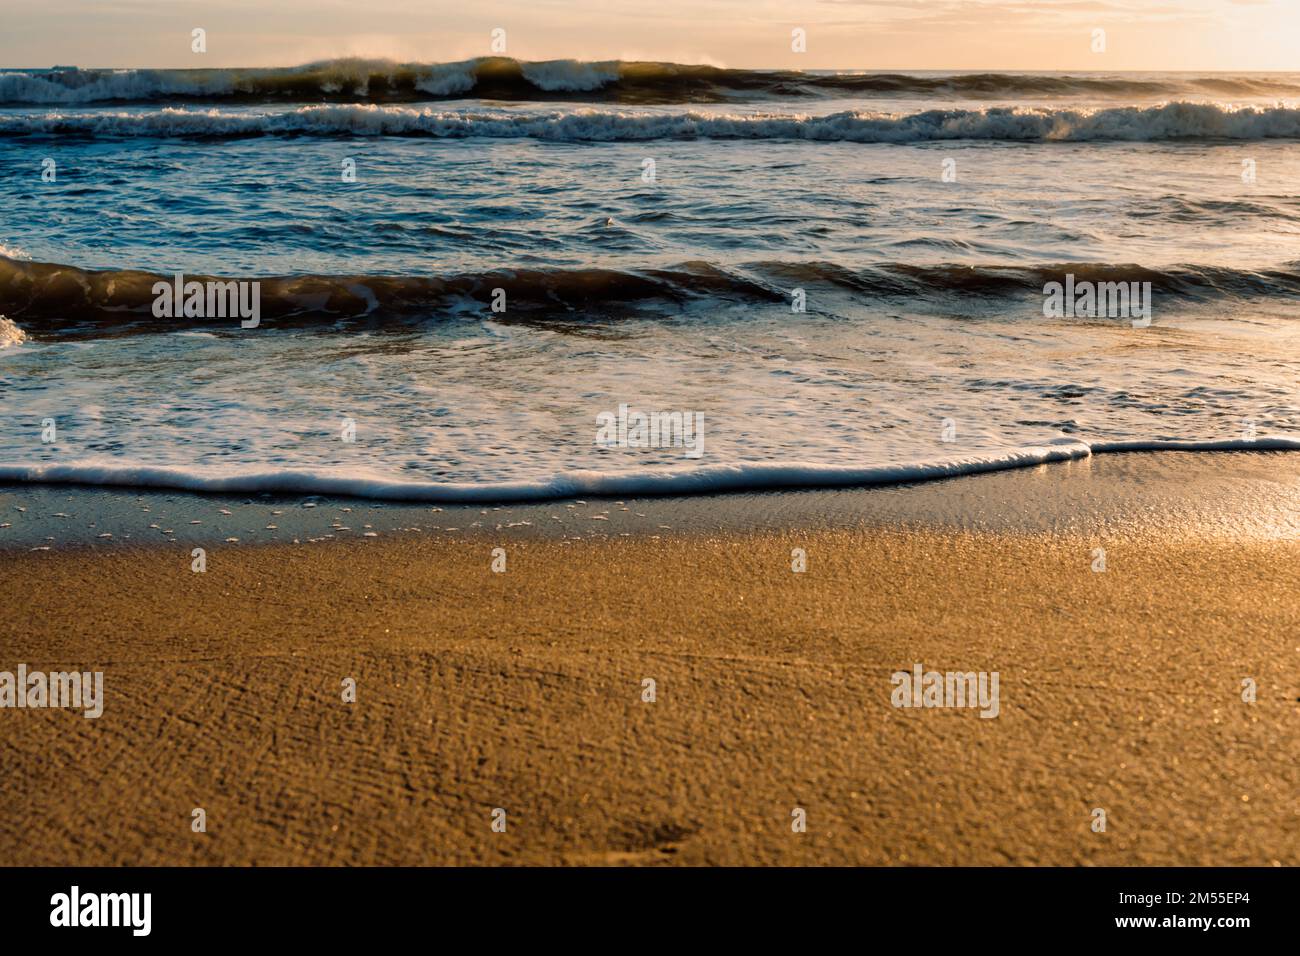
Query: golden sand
1119, 690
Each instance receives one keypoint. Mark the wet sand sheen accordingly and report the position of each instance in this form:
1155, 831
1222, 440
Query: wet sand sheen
523, 690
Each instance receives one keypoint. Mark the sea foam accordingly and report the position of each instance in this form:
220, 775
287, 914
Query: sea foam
10, 333
1169, 122
705, 479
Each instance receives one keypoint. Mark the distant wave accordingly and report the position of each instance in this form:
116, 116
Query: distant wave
1170, 122
695, 480
383, 81
47, 298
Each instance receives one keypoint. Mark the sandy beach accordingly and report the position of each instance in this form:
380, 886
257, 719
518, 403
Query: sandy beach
524, 690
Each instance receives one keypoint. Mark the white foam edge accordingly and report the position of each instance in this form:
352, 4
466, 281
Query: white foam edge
706, 479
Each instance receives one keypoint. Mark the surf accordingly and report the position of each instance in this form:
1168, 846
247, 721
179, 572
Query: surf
1172, 123
49, 298
697, 480
362, 80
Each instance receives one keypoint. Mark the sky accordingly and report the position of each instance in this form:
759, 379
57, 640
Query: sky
1199, 35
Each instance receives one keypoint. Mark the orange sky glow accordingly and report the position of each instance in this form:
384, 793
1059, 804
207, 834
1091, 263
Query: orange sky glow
1196, 35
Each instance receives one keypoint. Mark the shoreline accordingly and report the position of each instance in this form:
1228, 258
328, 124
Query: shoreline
738, 478
1178, 491
524, 690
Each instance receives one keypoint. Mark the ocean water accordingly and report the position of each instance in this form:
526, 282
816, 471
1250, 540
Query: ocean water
840, 275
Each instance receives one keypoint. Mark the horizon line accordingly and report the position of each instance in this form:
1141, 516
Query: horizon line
783, 69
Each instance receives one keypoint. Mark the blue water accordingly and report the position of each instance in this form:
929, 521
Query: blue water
920, 218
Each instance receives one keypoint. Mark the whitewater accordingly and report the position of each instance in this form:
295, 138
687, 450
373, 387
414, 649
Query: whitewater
1169, 121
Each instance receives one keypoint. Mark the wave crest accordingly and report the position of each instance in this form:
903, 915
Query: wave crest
1170, 122
10, 334
382, 81
50, 298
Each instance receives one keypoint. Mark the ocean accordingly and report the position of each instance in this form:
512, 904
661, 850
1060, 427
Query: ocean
466, 272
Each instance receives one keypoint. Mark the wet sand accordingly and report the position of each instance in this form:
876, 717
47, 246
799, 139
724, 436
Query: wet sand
1119, 689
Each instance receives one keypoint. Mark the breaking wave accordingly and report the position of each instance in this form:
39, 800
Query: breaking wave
1169, 122
381, 81
49, 297
10, 334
